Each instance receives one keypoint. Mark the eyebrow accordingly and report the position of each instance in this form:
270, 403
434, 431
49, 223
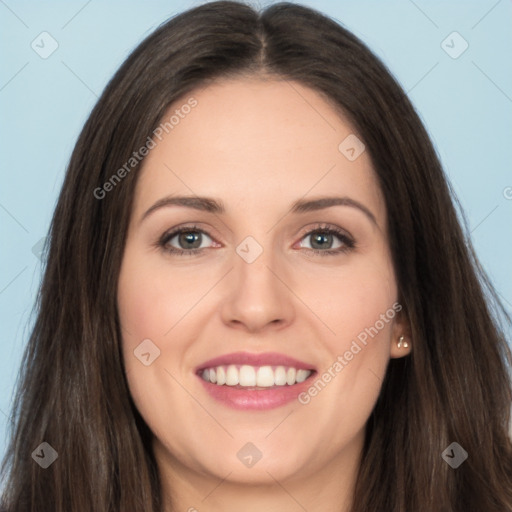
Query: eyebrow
210, 205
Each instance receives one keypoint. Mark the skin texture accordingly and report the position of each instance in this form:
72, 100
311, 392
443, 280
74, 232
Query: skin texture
257, 145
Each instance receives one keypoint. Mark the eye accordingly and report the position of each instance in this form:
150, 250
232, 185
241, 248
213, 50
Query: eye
324, 240
189, 240
328, 240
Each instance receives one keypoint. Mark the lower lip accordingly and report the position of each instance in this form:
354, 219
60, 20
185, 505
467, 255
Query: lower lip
251, 399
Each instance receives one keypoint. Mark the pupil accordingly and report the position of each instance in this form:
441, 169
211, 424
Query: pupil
190, 238
320, 237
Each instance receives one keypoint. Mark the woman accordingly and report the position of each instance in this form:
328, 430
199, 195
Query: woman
258, 293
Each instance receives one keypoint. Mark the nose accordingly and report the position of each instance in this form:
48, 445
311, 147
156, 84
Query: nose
258, 296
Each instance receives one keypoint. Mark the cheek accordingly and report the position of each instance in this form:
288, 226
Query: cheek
157, 304
359, 304
145, 313
152, 300
366, 322
367, 310
353, 298
148, 309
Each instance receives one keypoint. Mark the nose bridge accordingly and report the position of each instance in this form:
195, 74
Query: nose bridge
253, 264
257, 295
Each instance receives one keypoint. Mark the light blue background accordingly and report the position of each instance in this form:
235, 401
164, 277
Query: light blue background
465, 103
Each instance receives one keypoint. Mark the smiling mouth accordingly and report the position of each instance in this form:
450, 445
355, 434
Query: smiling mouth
254, 378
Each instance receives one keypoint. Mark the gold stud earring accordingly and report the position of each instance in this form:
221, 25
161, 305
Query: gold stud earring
403, 343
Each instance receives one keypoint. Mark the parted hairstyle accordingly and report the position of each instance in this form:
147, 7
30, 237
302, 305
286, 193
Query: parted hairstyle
454, 386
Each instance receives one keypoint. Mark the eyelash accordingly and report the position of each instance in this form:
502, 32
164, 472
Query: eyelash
348, 243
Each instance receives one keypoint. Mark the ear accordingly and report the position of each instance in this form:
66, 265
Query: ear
401, 327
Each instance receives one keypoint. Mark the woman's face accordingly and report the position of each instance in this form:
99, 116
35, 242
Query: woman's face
286, 267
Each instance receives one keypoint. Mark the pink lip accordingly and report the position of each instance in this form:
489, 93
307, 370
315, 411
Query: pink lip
263, 359
268, 398
255, 399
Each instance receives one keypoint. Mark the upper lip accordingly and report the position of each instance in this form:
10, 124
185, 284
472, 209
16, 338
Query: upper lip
261, 359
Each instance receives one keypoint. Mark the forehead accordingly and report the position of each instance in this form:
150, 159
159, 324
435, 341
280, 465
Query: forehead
256, 142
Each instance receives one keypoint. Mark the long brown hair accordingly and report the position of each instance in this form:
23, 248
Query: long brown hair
454, 387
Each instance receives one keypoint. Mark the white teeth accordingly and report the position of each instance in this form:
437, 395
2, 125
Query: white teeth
252, 376
247, 376
232, 375
221, 376
280, 376
265, 377
302, 375
290, 376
